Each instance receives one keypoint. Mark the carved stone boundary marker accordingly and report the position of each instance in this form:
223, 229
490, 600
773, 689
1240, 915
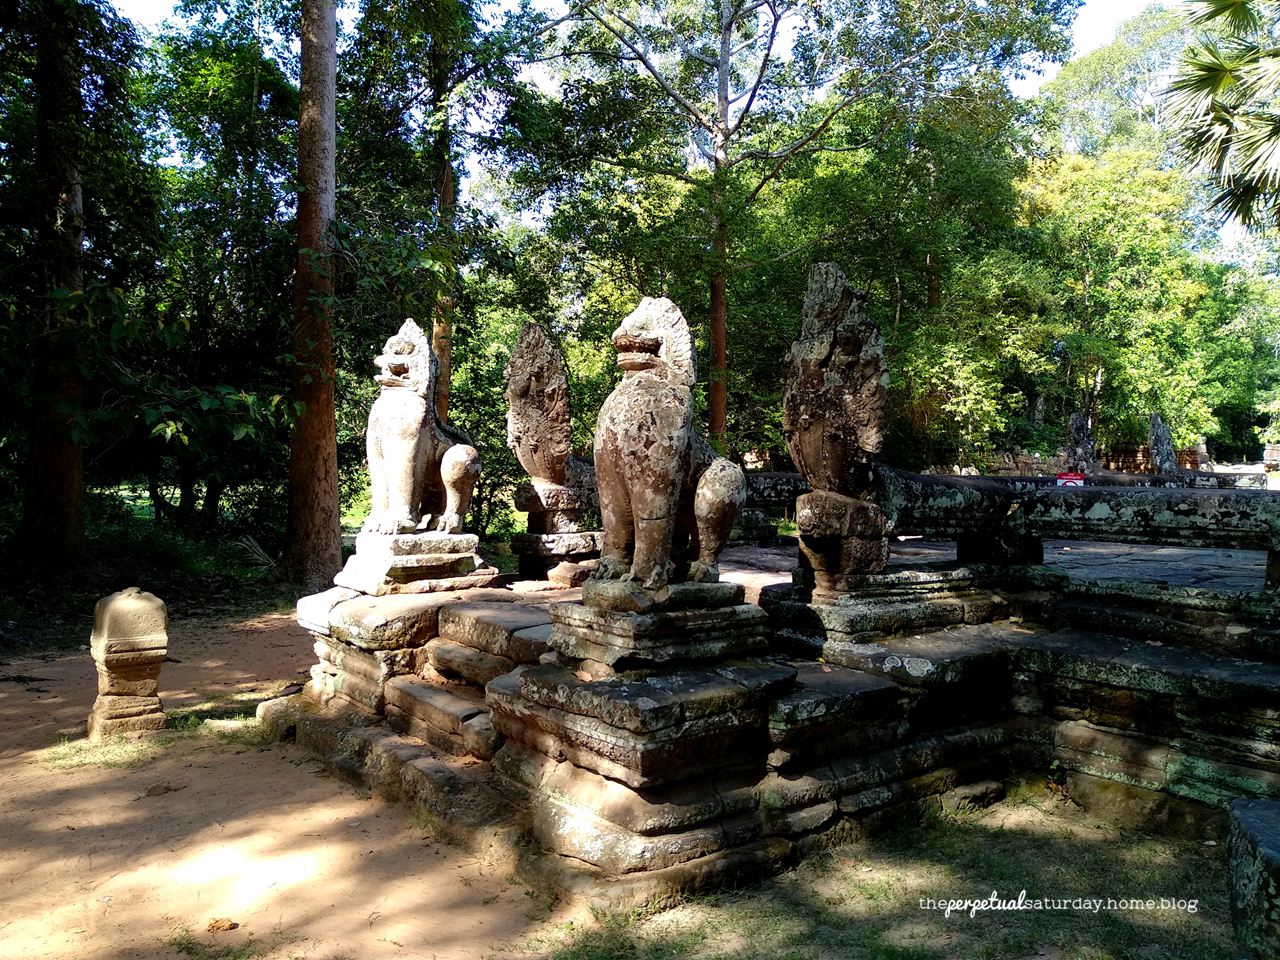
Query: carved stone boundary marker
129, 643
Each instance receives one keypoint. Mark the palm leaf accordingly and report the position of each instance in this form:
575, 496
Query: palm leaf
1239, 16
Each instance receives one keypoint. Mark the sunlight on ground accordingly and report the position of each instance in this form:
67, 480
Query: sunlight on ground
244, 870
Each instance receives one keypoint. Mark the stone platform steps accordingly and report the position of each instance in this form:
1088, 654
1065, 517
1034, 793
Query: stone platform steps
1185, 723
944, 678
458, 798
443, 704
480, 641
1159, 720
451, 718
900, 602
1246, 625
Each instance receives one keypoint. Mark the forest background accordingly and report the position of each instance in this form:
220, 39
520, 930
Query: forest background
499, 165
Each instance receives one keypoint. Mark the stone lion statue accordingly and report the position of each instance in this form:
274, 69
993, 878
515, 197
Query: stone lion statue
667, 501
419, 468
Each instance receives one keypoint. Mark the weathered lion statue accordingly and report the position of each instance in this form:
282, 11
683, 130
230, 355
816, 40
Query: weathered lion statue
667, 501
419, 468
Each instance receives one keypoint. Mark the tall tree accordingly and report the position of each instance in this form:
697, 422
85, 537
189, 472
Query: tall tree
54, 511
225, 112
418, 82
314, 551
64, 101
1113, 97
745, 89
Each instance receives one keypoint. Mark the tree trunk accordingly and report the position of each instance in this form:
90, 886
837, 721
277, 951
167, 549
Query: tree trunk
314, 551
211, 505
442, 315
935, 280
441, 68
160, 507
53, 511
442, 344
719, 334
187, 496
719, 306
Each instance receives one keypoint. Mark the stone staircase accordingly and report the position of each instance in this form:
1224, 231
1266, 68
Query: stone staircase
443, 703
1134, 698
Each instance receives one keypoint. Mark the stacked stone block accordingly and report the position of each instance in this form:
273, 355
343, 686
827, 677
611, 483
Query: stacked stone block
638, 744
556, 547
1255, 876
477, 641
129, 643
424, 562
1159, 720
422, 660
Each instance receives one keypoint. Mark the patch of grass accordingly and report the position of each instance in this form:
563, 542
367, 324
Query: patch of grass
864, 900
189, 945
499, 555
230, 719
110, 752
241, 705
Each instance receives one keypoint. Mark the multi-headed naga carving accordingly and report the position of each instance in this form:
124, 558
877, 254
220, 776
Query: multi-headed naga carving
833, 405
832, 418
539, 421
539, 425
667, 501
420, 469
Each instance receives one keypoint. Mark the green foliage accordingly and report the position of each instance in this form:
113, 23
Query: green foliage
1114, 97
1224, 97
1024, 260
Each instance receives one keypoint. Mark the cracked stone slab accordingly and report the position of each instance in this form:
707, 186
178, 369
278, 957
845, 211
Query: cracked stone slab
431, 704
474, 666
656, 703
949, 656
496, 628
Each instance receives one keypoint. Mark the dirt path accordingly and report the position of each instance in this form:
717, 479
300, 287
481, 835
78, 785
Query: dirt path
115, 862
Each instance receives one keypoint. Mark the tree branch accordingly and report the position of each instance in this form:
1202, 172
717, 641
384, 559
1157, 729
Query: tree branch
652, 70
760, 74
800, 145
794, 251
646, 168
481, 63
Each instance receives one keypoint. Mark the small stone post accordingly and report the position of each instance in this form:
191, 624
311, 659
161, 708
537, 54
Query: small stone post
129, 643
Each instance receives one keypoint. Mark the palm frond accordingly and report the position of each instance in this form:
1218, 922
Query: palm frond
1208, 73
1239, 16
1261, 75
1257, 148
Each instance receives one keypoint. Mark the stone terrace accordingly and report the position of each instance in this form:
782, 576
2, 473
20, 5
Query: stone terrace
1145, 681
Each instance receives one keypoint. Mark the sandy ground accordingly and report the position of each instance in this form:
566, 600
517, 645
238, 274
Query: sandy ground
115, 863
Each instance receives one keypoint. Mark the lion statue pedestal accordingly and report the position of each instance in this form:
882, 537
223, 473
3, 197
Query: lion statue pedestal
422, 473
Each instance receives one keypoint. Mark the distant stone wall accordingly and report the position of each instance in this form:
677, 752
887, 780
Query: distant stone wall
1132, 458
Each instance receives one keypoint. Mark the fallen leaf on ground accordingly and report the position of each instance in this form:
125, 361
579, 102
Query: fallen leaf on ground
159, 790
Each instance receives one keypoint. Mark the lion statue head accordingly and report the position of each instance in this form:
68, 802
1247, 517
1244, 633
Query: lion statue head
656, 337
407, 361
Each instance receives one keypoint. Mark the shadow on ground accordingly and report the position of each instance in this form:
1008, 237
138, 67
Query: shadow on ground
864, 901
